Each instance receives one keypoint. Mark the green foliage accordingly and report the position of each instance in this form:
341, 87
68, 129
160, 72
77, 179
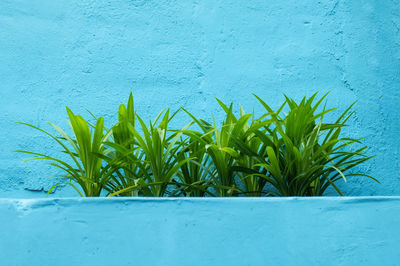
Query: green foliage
304, 155
217, 142
297, 154
127, 177
153, 154
193, 177
220, 143
86, 170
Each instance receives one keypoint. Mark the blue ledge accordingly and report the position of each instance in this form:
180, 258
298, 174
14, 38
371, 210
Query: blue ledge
200, 231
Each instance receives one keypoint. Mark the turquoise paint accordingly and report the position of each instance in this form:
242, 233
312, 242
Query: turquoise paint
91, 54
203, 231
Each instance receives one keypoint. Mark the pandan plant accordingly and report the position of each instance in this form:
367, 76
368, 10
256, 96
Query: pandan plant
247, 163
84, 171
219, 143
303, 155
293, 154
154, 154
127, 178
193, 179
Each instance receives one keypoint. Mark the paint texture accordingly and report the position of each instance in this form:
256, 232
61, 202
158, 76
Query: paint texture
263, 231
91, 54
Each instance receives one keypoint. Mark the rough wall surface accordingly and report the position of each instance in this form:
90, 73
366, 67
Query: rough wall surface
326, 231
90, 54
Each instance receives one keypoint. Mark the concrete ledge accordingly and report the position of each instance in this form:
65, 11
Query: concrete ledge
200, 231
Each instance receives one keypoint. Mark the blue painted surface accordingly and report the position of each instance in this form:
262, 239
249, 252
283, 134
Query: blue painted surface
91, 54
202, 231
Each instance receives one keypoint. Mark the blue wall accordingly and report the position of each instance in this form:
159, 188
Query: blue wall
91, 54
263, 231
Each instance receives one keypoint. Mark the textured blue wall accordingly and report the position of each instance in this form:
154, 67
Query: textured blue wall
263, 231
91, 54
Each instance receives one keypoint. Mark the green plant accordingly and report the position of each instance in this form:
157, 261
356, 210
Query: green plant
247, 165
159, 163
219, 143
293, 154
193, 177
127, 178
304, 156
87, 169
252, 149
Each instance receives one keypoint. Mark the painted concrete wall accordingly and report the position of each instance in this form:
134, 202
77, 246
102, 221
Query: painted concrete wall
90, 54
279, 231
